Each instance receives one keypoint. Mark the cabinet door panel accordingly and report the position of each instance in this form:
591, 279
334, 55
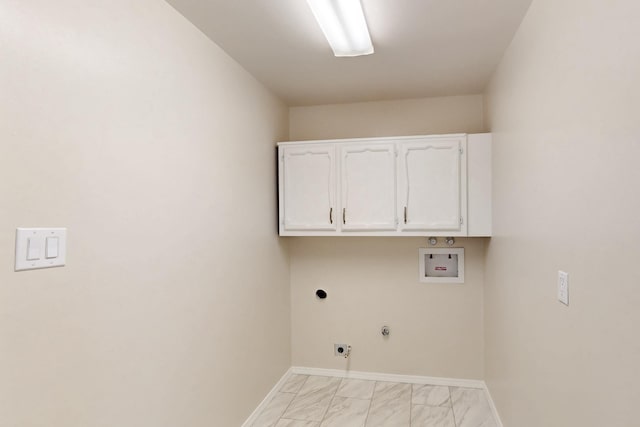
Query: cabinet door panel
368, 187
430, 185
309, 188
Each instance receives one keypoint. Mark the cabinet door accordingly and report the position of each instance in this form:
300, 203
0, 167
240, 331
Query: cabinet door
368, 187
432, 185
308, 184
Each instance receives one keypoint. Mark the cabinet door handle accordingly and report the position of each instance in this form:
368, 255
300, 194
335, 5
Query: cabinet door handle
405, 214
331, 215
344, 215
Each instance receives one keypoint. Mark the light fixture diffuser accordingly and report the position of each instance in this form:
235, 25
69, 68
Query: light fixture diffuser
344, 26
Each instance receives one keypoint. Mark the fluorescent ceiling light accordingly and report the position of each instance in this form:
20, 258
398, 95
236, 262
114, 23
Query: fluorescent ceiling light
344, 26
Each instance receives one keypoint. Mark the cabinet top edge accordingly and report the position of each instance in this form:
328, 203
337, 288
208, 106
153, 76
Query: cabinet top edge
380, 139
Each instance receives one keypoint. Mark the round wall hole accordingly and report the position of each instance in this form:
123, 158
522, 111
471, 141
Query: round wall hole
321, 294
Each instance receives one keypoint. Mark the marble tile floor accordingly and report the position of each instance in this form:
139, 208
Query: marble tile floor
317, 401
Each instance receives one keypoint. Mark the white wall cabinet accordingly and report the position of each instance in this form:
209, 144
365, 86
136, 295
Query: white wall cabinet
404, 186
432, 185
308, 188
368, 186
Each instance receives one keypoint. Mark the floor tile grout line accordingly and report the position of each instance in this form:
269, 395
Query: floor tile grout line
330, 402
267, 406
366, 419
411, 407
299, 387
453, 413
392, 399
290, 402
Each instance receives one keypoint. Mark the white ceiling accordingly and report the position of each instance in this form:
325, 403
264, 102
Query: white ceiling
422, 47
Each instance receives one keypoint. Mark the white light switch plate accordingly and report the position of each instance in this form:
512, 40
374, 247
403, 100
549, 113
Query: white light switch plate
563, 287
32, 251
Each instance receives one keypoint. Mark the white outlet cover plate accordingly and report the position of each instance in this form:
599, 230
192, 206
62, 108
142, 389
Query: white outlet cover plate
563, 287
36, 238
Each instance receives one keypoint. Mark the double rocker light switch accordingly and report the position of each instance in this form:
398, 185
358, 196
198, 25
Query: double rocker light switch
40, 248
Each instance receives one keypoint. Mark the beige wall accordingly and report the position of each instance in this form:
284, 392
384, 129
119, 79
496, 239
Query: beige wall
423, 116
122, 122
564, 108
436, 330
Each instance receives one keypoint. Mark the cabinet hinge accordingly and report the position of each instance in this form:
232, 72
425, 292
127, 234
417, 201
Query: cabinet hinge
461, 151
461, 221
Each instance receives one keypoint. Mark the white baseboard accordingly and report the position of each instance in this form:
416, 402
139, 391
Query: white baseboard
375, 376
254, 415
492, 405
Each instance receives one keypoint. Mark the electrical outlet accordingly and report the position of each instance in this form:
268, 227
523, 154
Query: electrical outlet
563, 287
341, 350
